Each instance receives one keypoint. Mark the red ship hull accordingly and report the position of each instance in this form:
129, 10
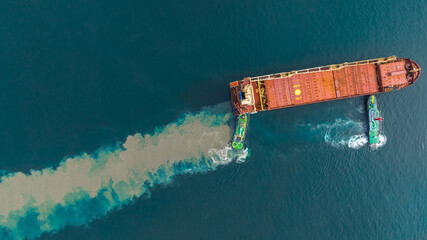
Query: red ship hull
283, 90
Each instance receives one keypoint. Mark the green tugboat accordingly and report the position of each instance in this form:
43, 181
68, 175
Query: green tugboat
239, 134
374, 120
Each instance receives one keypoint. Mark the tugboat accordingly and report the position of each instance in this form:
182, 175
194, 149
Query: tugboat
374, 120
239, 134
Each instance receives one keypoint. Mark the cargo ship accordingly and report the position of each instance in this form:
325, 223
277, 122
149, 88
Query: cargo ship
374, 120
320, 84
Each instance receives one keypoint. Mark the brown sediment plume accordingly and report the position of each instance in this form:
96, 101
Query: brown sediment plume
116, 175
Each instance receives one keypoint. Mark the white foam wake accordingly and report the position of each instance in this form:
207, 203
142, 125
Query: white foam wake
226, 155
345, 133
357, 141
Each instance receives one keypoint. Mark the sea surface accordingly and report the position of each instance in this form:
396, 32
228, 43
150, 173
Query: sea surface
116, 120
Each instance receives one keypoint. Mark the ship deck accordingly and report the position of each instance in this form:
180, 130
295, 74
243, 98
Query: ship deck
321, 86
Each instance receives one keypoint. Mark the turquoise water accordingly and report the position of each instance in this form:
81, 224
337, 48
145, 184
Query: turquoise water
115, 122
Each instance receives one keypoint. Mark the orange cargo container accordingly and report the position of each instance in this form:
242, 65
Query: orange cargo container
288, 89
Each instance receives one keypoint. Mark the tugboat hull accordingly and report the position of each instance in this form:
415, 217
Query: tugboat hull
374, 120
240, 133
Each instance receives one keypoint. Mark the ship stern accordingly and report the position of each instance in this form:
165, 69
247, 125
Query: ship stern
242, 97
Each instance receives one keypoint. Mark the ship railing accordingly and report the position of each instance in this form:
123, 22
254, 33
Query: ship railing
323, 68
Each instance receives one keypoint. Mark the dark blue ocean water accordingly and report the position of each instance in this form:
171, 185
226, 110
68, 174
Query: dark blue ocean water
77, 76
